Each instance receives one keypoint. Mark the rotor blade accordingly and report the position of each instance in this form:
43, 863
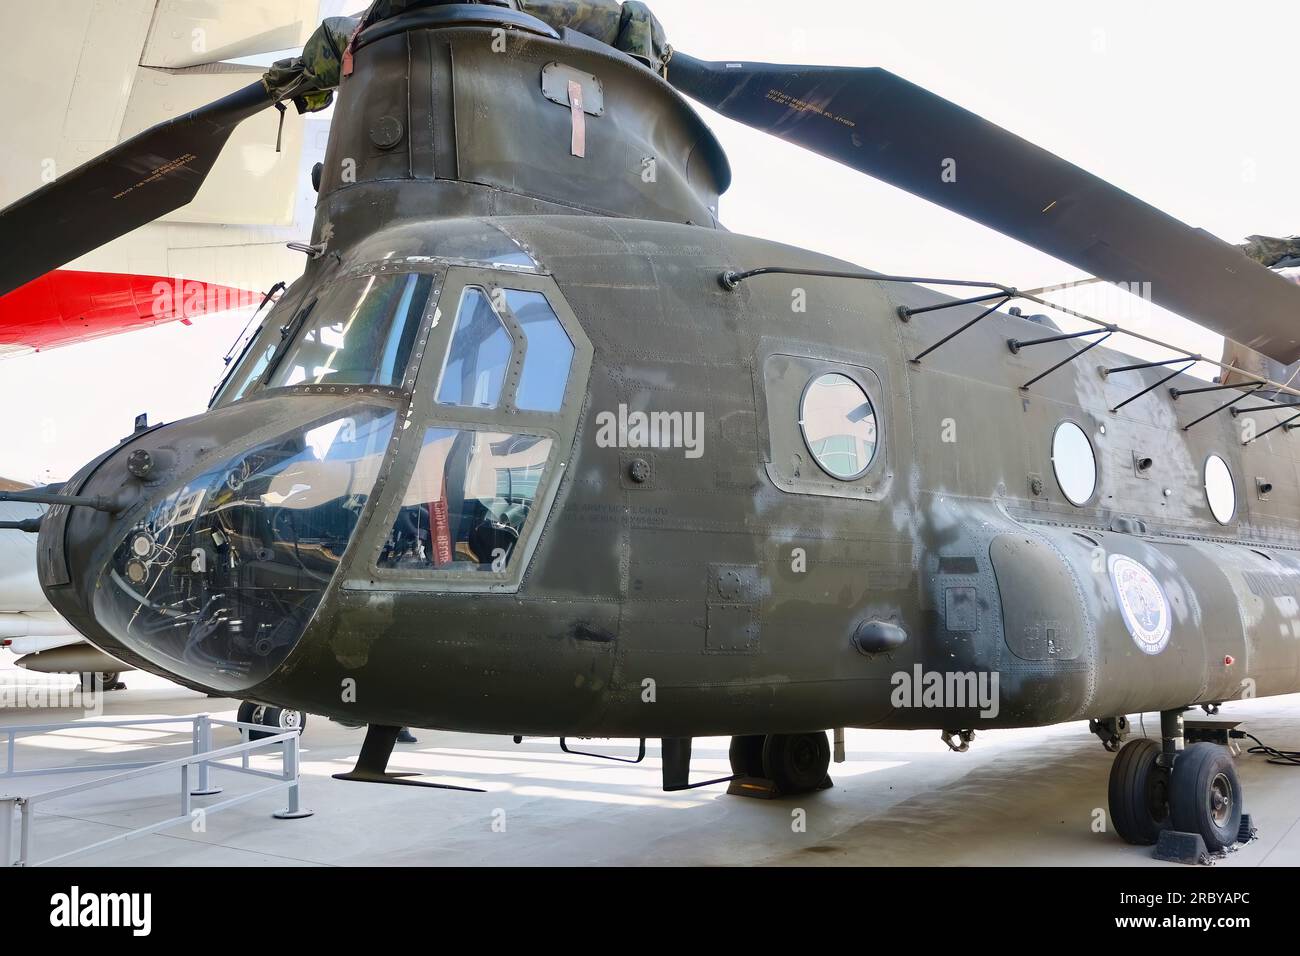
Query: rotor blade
132, 184
884, 126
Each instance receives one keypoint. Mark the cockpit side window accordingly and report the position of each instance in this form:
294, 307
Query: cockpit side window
549, 353
479, 355
360, 332
493, 420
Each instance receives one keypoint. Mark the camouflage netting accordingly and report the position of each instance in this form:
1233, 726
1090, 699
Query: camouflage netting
1271, 252
310, 80
629, 27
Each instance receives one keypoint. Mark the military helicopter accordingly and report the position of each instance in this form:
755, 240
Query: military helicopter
536, 447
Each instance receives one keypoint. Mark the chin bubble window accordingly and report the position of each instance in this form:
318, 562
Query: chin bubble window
1075, 463
218, 581
839, 426
468, 501
1220, 492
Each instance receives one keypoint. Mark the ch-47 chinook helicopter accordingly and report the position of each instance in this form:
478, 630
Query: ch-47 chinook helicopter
536, 447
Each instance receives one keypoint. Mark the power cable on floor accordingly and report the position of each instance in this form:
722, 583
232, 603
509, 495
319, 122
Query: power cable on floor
1283, 758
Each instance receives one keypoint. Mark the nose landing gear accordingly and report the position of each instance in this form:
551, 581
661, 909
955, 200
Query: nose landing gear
1185, 799
279, 720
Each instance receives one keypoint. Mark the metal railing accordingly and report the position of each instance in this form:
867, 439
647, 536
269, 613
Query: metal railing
17, 813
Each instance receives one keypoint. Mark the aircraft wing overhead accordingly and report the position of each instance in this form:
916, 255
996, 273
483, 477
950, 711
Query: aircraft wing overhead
194, 32
166, 57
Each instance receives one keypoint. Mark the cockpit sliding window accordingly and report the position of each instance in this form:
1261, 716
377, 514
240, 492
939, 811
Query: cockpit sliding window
361, 331
490, 329
479, 356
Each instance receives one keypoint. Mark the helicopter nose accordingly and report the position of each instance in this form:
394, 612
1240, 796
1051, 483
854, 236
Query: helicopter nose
217, 537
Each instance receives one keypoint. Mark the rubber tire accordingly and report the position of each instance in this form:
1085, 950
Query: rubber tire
1133, 805
746, 754
796, 763
100, 681
271, 717
274, 717
1190, 792
245, 713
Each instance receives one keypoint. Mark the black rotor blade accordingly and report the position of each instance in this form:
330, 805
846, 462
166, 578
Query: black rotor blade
890, 129
132, 184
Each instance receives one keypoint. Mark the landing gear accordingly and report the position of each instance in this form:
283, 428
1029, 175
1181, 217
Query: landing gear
279, 719
1139, 793
1111, 731
102, 681
746, 755
775, 765
1205, 795
1174, 795
372, 762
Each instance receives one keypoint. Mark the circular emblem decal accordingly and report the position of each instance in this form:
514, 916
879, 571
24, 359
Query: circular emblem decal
1143, 604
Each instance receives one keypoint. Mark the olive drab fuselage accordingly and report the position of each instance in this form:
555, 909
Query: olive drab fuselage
725, 583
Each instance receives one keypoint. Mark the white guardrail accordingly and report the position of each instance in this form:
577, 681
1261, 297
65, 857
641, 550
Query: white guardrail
17, 813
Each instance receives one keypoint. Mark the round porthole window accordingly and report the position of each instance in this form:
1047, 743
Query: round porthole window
839, 426
1074, 463
1219, 489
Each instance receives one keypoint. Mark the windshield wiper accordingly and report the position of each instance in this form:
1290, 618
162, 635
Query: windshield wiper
231, 367
288, 333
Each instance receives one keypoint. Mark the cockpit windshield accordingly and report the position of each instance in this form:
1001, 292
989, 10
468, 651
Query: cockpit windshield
359, 332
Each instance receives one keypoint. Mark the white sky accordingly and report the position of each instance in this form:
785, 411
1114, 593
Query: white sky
1183, 104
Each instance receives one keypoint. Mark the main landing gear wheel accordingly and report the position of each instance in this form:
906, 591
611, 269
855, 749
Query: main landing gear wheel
796, 763
102, 681
1139, 793
1205, 795
280, 719
746, 755
779, 765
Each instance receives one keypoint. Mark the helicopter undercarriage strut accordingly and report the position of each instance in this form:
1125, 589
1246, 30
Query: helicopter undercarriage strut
1185, 799
372, 763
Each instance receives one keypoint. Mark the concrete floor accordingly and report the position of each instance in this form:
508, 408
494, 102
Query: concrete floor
1018, 797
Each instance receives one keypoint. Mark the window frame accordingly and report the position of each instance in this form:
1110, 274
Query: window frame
1056, 474
782, 378
364, 573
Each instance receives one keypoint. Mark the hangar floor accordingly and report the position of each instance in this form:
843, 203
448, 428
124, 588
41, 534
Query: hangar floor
1018, 797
